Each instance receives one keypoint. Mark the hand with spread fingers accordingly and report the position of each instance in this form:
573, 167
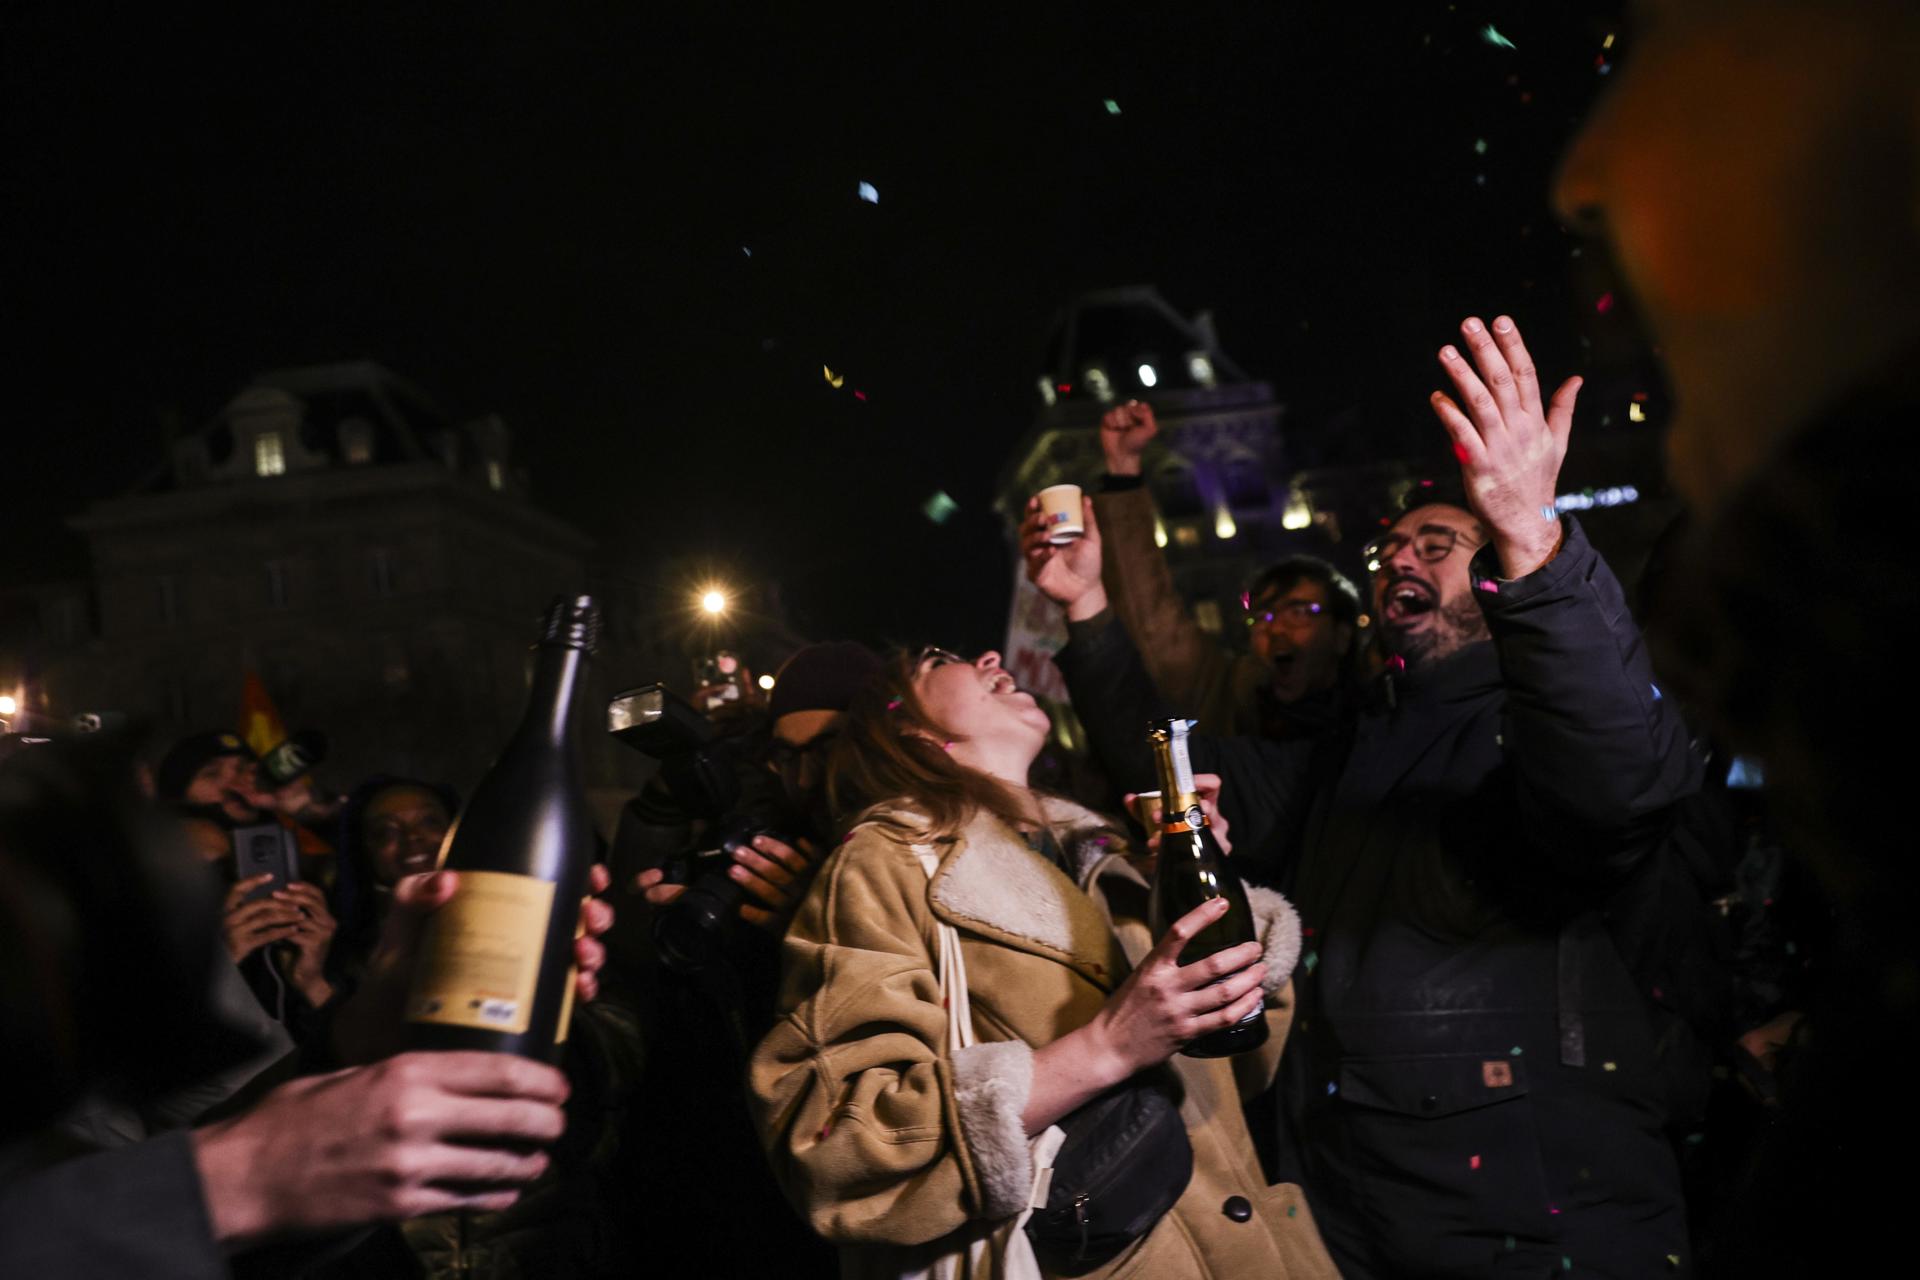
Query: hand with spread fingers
1510, 445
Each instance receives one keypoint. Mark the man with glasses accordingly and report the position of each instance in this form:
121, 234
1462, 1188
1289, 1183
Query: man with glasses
1301, 614
1472, 1084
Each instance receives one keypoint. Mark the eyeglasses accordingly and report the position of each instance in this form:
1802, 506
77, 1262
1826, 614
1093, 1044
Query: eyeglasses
1290, 613
1431, 542
939, 657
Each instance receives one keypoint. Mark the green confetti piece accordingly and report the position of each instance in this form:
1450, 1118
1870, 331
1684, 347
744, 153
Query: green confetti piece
1113, 108
1479, 146
1566, 1263
1491, 34
1516, 1051
1311, 959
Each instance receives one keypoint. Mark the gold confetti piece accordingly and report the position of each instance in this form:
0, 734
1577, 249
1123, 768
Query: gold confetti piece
834, 380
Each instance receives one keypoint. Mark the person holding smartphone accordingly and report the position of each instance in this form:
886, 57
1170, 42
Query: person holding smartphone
276, 926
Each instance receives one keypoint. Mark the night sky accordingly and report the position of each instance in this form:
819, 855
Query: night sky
544, 211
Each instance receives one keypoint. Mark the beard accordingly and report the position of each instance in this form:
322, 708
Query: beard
1455, 626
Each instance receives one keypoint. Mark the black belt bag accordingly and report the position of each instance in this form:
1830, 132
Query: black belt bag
1124, 1163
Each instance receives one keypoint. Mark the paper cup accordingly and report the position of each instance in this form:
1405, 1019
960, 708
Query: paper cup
1061, 505
1147, 810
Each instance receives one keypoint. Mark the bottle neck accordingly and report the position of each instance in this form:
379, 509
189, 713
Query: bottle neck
558, 671
1176, 771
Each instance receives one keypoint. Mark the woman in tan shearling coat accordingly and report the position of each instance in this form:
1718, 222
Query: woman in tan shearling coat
889, 1142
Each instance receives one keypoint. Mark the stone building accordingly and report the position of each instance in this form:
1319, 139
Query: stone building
374, 560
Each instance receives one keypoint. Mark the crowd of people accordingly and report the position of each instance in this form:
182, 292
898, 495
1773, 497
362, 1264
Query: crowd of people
1530, 1007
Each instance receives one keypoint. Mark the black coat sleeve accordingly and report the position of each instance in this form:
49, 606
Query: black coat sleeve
1262, 782
134, 1212
1600, 754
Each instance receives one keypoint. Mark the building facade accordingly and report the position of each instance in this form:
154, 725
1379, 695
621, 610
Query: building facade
374, 561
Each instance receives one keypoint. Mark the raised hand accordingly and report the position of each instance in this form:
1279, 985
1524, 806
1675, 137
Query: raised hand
1069, 574
1509, 444
248, 926
1125, 431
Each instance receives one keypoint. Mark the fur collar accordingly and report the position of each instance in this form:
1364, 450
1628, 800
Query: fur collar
991, 883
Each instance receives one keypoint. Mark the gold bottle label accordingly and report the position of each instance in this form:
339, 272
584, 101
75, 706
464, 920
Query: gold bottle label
480, 954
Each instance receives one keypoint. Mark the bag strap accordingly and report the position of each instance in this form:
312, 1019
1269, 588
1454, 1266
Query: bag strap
952, 969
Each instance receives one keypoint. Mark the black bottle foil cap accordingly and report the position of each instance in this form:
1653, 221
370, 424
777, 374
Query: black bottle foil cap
573, 621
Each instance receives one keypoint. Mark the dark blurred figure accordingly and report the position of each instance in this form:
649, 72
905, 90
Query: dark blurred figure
1302, 615
281, 938
1753, 167
108, 994
697, 1168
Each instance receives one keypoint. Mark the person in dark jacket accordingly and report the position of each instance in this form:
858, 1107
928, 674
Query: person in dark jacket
1473, 1087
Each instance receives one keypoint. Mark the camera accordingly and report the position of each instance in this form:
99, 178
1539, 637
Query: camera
712, 777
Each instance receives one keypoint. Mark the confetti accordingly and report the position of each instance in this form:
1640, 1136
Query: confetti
1609, 1066
746, 251
1604, 304
869, 193
1566, 1263
939, 508
1113, 108
1608, 42
1553, 1209
1311, 960
1673, 1259
1473, 1162
834, 380
1491, 34
1516, 1051
1636, 413
1332, 1088
1479, 146
860, 396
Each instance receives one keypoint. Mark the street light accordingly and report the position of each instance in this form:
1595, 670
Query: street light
766, 682
7, 705
714, 602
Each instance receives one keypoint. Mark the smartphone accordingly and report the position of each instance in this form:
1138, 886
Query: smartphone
266, 848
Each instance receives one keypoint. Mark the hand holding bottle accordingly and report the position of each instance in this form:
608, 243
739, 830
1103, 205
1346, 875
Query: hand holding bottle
369, 1025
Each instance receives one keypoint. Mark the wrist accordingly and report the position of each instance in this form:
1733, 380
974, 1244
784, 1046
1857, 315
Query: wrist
1119, 466
1106, 1059
1522, 554
223, 1156
1090, 604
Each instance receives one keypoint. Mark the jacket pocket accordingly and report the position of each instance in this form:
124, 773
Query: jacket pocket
1444, 1154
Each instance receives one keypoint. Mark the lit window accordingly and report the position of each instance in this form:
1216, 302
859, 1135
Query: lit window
269, 454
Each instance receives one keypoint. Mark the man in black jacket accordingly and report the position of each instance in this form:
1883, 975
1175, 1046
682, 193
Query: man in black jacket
1471, 1086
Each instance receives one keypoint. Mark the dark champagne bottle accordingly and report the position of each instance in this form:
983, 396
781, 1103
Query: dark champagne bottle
495, 967
1192, 870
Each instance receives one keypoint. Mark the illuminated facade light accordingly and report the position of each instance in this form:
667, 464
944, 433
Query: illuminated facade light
1148, 377
1298, 514
1223, 525
1159, 532
269, 454
1589, 499
1200, 368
